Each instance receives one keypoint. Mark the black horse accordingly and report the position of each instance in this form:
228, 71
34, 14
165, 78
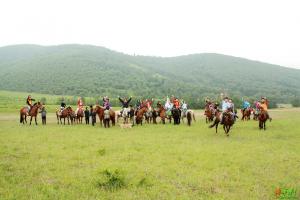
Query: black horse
176, 113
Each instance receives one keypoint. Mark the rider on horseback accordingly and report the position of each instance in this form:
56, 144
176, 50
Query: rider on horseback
62, 106
184, 108
106, 102
29, 103
168, 104
233, 109
263, 106
176, 103
79, 105
226, 109
125, 103
245, 105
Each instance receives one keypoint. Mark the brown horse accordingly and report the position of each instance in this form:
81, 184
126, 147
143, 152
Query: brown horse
64, 114
100, 111
209, 113
140, 115
73, 117
262, 118
33, 113
190, 115
246, 114
80, 115
162, 113
227, 123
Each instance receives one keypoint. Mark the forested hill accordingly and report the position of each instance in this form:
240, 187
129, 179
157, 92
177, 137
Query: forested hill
95, 71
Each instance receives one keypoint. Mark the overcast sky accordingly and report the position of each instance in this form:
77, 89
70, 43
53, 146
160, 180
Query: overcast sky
265, 30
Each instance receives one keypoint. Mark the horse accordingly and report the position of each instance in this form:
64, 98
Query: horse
162, 113
32, 113
262, 118
227, 122
246, 114
140, 114
176, 115
255, 114
190, 115
131, 115
209, 113
79, 116
100, 111
148, 115
154, 116
125, 115
217, 120
63, 114
72, 117
184, 114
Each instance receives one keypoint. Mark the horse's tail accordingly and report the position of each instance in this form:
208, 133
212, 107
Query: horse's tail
21, 117
189, 118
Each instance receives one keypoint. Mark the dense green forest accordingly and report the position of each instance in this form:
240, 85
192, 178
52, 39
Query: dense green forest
91, 71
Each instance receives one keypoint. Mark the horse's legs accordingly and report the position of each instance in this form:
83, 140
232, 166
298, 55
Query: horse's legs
217, 124
35, 121
68, 120
30, 119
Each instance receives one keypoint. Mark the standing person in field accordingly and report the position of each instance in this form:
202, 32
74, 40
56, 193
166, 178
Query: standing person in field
43, 114
106, 117
29, 103
87, 115
79, 105
93, 115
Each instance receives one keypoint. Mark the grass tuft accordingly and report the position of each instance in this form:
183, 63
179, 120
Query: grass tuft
112, 180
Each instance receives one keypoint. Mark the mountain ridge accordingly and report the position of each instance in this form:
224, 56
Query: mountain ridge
89, 70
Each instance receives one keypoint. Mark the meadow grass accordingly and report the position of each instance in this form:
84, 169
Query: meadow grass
149, 161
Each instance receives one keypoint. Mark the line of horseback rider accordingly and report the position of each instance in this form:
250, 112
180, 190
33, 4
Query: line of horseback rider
171, 103
227, 107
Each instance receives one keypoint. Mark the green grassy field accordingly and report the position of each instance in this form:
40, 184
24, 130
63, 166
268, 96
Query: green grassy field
148, 162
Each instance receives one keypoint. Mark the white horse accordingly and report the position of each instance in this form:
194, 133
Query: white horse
125, 115
185, 113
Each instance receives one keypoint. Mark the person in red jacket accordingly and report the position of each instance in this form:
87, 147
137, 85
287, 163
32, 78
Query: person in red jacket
176, 103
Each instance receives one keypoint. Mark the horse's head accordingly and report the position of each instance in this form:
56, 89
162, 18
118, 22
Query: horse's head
38, 105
